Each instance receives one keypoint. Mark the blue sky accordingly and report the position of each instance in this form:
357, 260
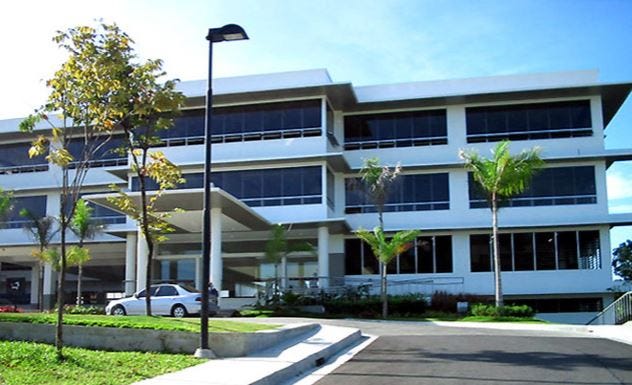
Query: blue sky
365, 42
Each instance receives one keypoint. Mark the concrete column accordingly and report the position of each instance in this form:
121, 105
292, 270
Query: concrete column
35, 284
323, 256
141, 261
216, 248
49, 286
130, 263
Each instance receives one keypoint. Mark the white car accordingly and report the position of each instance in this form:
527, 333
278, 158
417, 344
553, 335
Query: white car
166, 299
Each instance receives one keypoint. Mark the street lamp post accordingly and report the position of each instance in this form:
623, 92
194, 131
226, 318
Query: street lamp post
229, 32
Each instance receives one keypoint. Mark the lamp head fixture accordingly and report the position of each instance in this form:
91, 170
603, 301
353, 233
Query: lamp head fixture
229, 32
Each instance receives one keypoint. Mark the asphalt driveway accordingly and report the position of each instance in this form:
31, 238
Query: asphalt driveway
486, 359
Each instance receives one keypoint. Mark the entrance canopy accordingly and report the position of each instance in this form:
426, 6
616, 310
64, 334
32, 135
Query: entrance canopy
236, 215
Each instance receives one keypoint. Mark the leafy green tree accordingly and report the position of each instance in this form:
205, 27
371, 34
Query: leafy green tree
6, 200
622, 261
85, 95
41, 230
150, 107
378, 181
501, 177
279, 248
83, 225
385, 250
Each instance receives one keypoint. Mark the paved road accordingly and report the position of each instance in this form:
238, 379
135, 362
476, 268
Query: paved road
463, 357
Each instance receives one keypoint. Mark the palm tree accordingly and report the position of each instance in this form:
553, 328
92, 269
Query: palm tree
377, 182
385, 250
501, 177
83, 226
279, 248
42, 230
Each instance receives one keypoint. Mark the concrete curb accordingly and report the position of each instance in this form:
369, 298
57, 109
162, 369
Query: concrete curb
121, 339
273, 366
311, 361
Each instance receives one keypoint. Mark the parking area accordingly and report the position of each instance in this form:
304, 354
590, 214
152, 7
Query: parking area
483, 358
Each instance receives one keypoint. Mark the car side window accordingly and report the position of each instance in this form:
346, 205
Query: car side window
167, 291
141, 294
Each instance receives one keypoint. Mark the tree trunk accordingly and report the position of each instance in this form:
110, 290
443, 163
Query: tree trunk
147, 236
79, 273
498, 291
383, 286
40, 294
59, 332
383, 277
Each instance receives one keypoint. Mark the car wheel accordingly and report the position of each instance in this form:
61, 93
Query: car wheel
178, 311
118, 310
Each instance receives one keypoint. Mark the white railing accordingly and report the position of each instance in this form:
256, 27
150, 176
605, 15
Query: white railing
617, 313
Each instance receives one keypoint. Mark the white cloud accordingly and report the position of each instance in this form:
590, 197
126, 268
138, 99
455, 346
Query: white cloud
619, 185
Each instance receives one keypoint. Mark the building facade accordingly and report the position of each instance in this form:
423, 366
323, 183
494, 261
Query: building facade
288, 147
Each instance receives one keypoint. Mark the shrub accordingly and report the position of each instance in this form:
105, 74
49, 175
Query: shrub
74, 309
443, 301
485, 310
371, 307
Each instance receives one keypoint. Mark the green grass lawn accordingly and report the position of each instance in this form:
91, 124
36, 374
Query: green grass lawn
137, 322
28, 363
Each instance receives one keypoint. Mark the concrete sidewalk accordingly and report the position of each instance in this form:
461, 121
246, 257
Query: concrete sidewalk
268, 367
619, 333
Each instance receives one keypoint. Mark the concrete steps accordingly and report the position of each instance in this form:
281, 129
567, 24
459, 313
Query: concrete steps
268, 367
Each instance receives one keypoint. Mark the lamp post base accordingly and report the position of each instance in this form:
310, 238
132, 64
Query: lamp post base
204, 353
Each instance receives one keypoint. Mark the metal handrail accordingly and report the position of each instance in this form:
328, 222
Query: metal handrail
618, 312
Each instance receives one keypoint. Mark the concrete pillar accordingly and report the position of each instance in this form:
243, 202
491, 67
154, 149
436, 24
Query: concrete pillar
35, 284
323, 256
216, 248
141, 261
49, 286
130, 263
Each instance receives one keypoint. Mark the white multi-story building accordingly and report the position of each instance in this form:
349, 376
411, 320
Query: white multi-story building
287, 148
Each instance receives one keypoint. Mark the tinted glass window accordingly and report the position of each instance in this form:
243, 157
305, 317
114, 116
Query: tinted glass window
418, 192
529, 121
567, 250
166, 291
247, 122
589, 250
353, 256
443, 252
504, 246
14, 157
553, 250
545, 251
36, 205
257, 187
523, 251
397, 129
425, 255
429, 255
480, 253
549, 186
